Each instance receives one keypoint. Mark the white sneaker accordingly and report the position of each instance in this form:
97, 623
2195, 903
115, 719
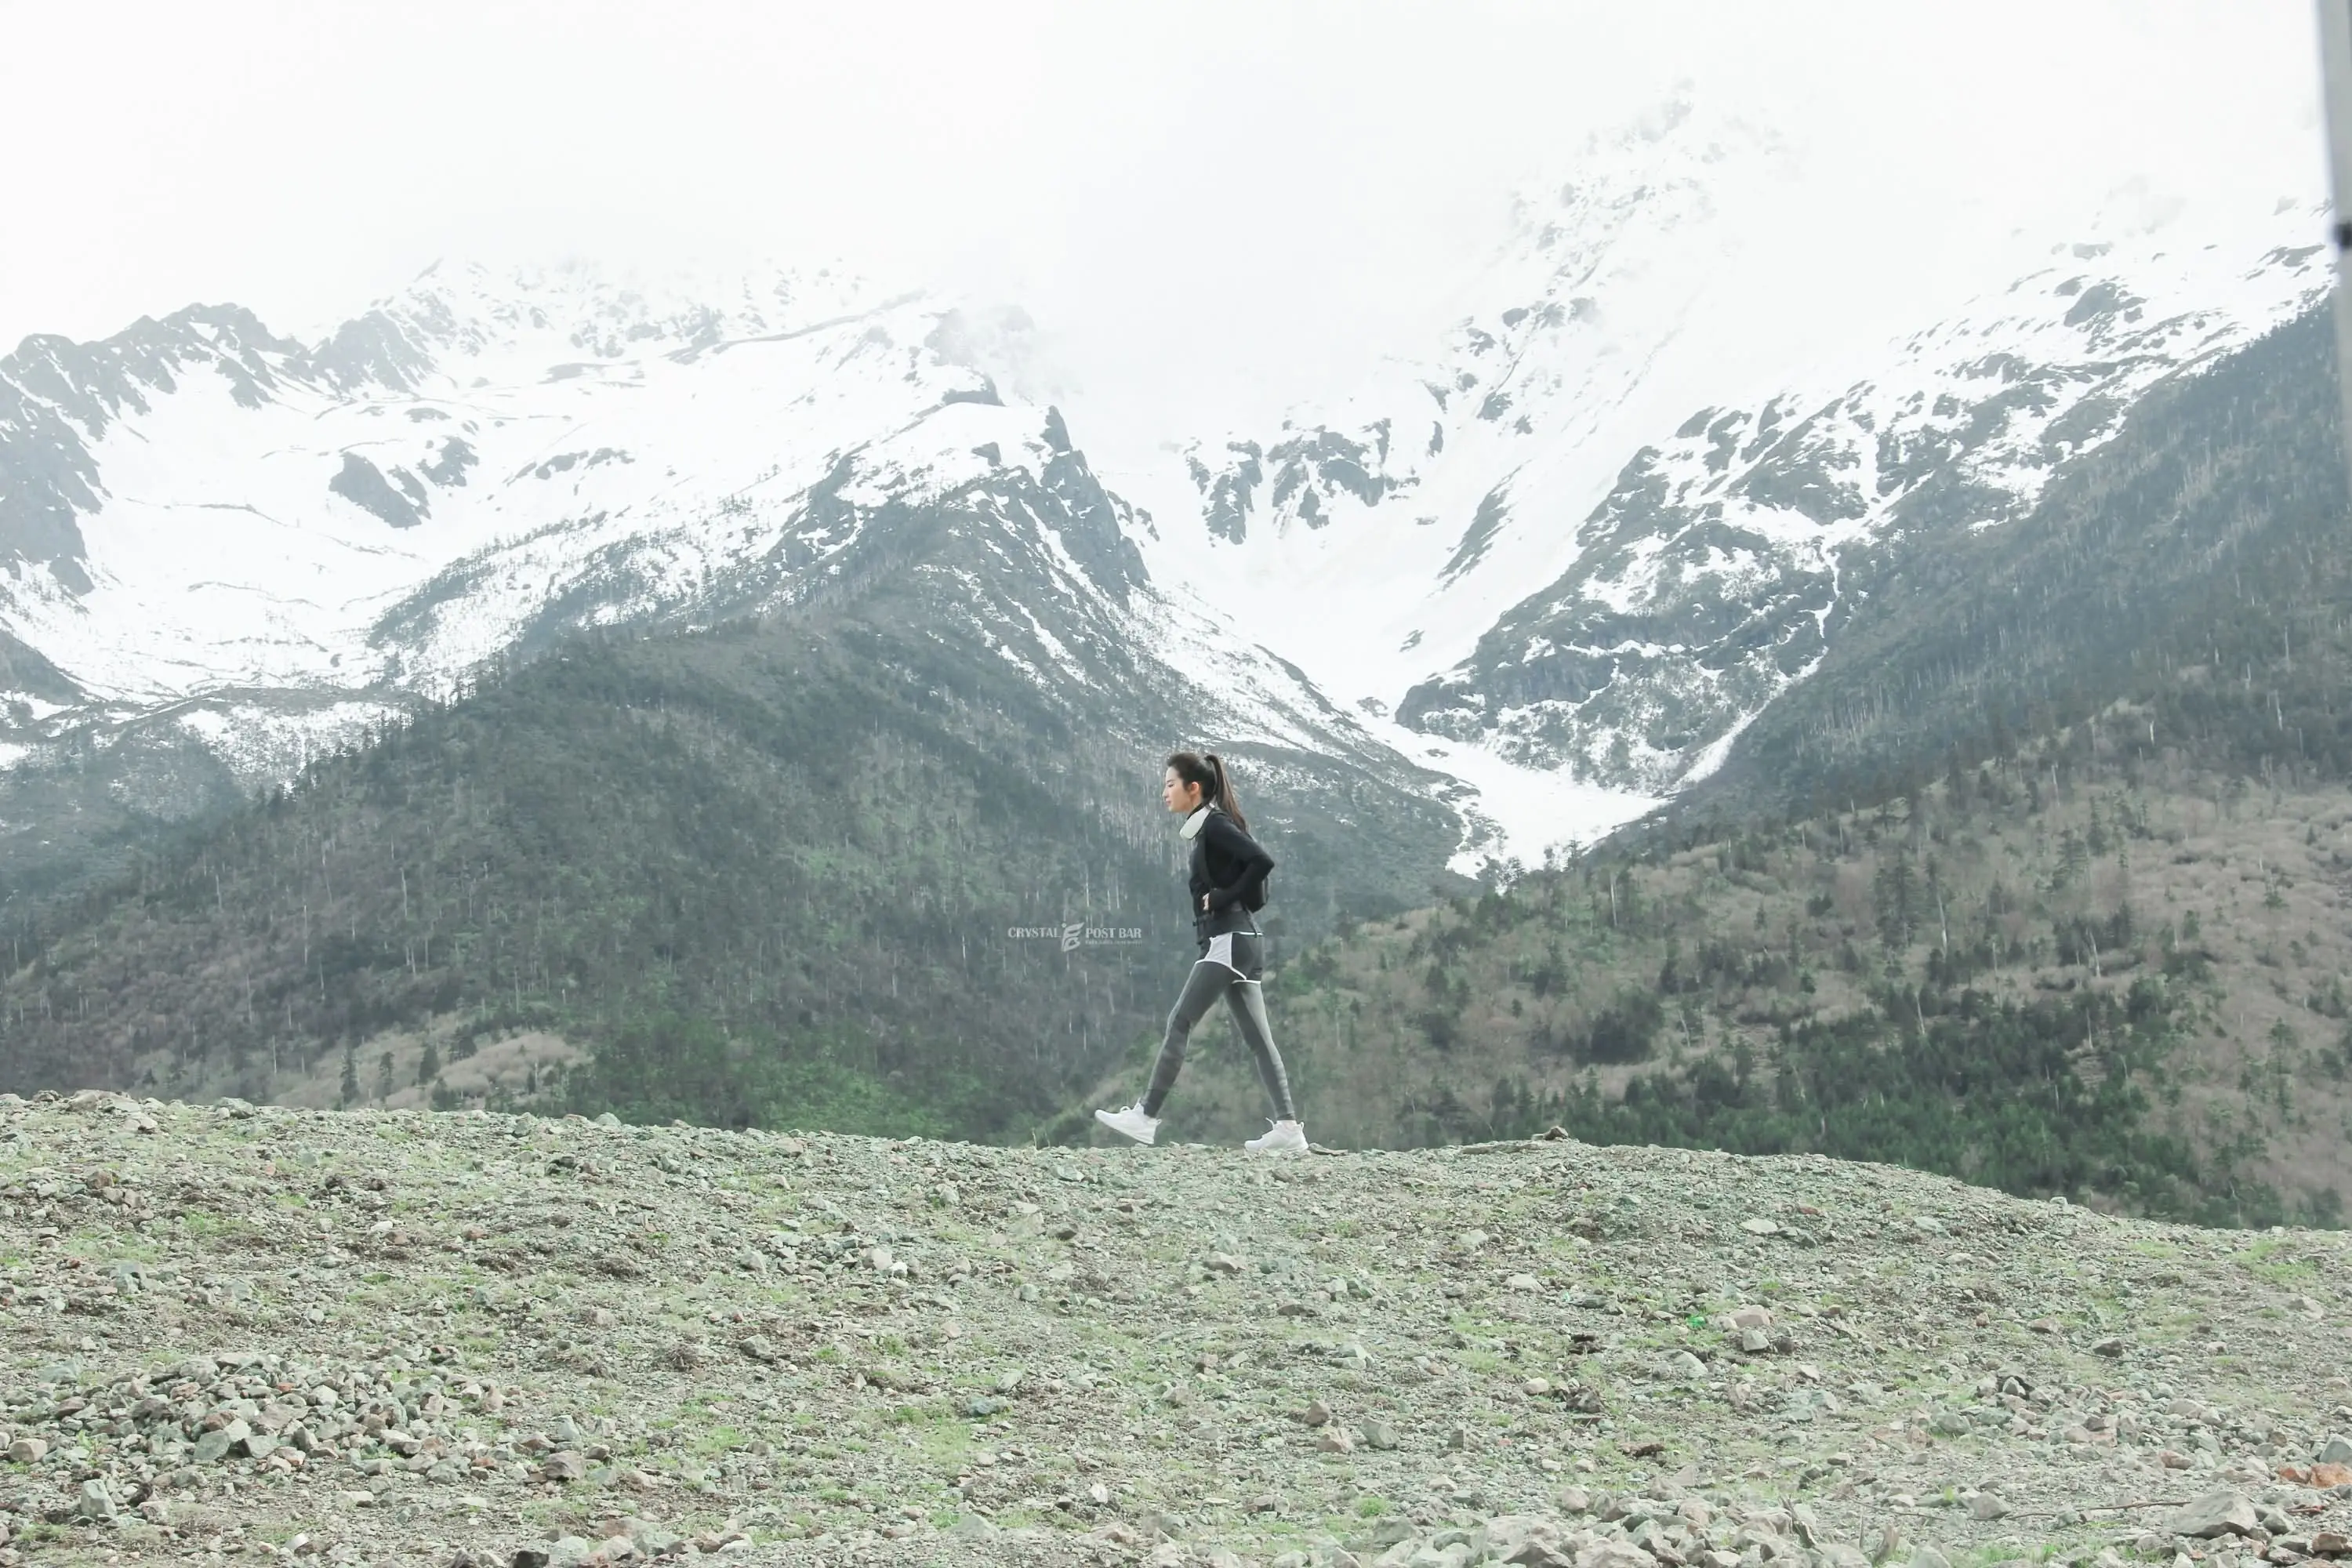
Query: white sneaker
1281, 1137
1130, 1122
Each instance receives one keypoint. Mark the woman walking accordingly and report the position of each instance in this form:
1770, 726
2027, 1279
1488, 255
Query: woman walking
1228, 885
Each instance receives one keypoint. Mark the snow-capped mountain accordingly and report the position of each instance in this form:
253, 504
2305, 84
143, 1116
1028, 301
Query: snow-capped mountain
1543, 573
199, 505
1609, 521
227, 550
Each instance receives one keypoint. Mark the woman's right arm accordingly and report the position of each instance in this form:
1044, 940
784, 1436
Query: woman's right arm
1249, 858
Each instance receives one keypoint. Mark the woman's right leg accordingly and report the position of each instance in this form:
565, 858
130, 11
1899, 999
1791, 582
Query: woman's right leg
1202, 988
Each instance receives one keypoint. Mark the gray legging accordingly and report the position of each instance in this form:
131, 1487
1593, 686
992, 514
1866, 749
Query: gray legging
1229, 968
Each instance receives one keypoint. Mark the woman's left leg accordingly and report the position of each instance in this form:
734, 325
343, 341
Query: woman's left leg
1246, 1002
1244, 953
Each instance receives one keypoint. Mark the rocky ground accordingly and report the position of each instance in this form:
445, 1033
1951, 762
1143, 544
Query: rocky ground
403, 1338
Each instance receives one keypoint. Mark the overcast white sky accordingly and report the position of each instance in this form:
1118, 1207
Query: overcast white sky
1209, 188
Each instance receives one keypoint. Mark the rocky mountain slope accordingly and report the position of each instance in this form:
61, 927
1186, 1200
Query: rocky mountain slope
376, 1338
232, 552
2190, 570
1649, 416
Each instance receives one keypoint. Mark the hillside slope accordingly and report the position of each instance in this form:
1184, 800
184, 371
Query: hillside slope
2194, 566
2132, 992
468, 1338
819, 857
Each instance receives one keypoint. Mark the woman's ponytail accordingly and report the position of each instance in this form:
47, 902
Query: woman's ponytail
1224, 798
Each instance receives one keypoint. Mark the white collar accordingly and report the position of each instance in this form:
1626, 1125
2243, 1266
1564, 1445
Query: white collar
1191, 829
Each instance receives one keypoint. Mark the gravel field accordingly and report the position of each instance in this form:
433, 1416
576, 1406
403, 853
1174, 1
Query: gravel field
397, 1337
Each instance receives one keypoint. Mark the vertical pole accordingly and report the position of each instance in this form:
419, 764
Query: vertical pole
2336, 93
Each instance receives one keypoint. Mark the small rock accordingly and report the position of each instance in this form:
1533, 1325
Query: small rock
2214, 1514
2111, 1347
1928, 1557
652, 1538
2334, 1451
1985, 1507
1758, 1226
1380, 1435
1316, 1414
95, 1503
27, 1450
564, 1466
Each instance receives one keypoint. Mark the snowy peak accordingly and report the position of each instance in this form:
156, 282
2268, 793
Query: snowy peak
221, 508
57, 397
1655, 405
1596, 273
454, 313
1715, 570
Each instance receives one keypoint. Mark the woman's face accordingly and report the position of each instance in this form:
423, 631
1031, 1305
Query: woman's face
1178, 796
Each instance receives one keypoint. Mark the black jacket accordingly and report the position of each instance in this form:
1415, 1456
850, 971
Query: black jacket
1227, 867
